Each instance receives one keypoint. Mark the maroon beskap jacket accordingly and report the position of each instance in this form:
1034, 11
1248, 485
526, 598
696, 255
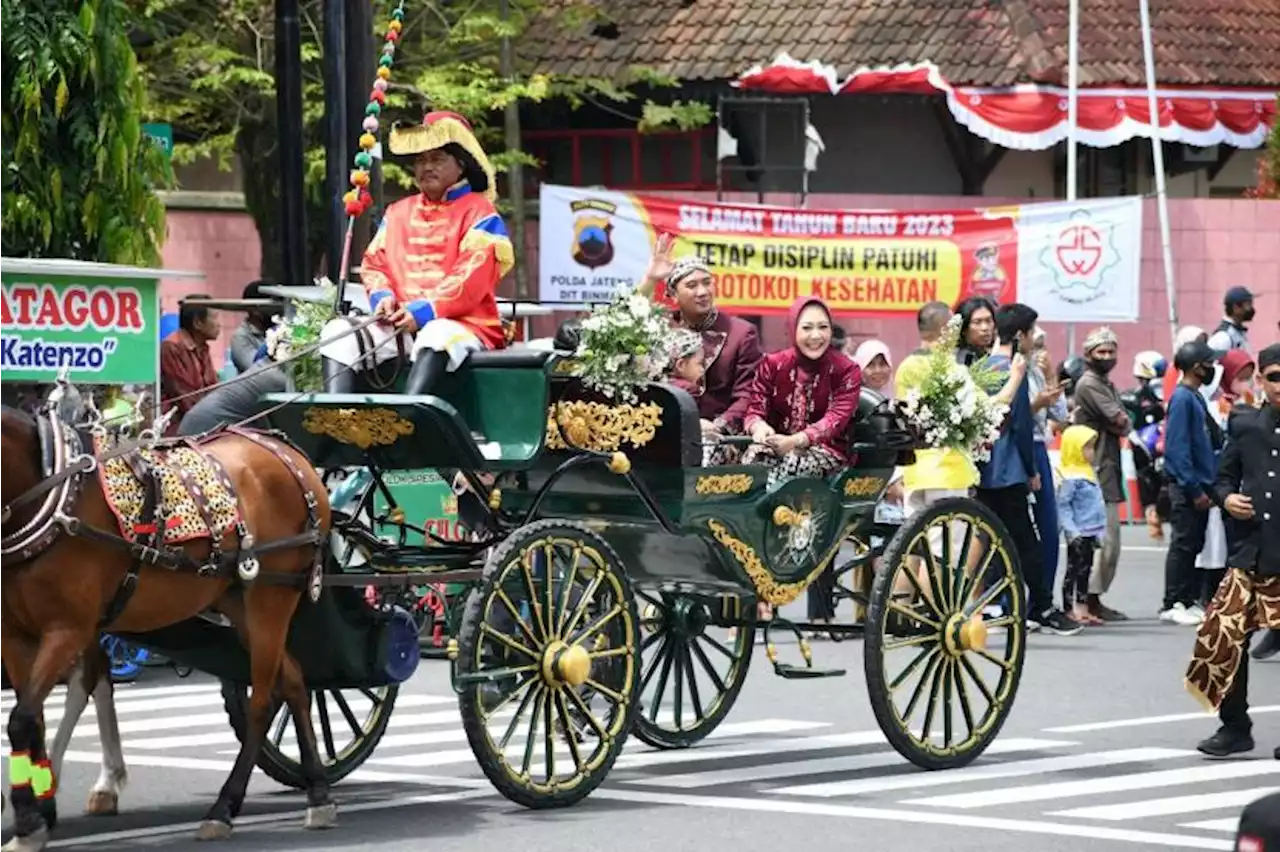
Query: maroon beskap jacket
731, 346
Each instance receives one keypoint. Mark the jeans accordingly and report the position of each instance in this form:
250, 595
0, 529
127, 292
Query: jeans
1188, 525
1010, 504
1046, 515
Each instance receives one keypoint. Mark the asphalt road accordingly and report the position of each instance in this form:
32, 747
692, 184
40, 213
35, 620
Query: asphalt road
1097, 754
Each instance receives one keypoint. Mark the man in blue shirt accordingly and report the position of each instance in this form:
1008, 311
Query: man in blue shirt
1010, 476
1191, 440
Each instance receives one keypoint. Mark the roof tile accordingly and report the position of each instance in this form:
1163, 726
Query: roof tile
978, 42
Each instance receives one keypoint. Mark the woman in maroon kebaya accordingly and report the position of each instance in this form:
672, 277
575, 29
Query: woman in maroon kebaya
803, 399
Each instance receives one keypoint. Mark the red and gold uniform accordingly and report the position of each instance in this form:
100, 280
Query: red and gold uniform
439, 260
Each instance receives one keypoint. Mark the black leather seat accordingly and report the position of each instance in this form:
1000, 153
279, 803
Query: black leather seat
877, 436
528, 359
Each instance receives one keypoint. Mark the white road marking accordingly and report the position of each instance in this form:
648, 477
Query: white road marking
1009, 769
1171, 805
1147, 720
1230, 825
719, 752
1096, 786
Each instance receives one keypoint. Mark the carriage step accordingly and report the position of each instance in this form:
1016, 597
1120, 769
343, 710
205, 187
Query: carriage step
790, 672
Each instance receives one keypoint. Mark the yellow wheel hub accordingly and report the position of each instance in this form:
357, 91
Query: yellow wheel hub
566, 664
965, 634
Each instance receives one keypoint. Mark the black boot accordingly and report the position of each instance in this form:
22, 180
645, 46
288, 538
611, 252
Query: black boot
338, 378
1226, 742
426, 372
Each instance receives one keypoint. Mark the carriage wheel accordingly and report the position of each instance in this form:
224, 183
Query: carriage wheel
348, 725
690, 675
946, 634
547, 659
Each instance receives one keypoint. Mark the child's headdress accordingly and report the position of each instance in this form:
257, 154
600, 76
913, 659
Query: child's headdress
683, 343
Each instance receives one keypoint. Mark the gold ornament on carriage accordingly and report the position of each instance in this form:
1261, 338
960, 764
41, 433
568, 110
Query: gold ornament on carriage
360, 427
600, 427
727, 483
767, 587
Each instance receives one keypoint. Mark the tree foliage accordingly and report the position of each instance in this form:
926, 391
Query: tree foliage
79, 175
210, 68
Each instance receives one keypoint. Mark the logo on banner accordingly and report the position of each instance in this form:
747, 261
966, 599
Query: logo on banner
1080, 257
989, 277
593, 232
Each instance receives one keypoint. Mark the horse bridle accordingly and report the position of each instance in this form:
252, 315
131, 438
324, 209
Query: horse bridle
63, 462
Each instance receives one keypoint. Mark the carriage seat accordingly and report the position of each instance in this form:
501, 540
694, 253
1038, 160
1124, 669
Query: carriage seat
875, 437
523, 358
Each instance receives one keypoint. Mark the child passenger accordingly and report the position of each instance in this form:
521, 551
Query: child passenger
1082, 515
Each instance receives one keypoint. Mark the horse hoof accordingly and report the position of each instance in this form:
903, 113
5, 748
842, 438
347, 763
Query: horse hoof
103, 803
321, 816
33, 842
212, 829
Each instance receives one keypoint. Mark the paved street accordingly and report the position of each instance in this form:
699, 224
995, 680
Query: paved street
1098, 754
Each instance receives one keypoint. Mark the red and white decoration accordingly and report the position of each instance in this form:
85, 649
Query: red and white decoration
1032, 117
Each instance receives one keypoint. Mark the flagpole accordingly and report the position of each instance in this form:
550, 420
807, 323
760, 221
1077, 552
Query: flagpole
1073, 106
1157, 159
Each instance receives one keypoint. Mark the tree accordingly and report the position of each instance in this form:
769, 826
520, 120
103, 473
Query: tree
1269, 164
210, 70
79, 175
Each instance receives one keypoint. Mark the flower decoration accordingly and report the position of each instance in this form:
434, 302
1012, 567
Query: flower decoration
624, 346
290, 336
950, 406
358, 199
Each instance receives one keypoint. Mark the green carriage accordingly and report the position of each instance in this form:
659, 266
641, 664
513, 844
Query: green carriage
614, 580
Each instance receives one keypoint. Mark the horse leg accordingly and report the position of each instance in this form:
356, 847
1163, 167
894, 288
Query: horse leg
268, 611
32, 782
321, 811
72, 710
104, 798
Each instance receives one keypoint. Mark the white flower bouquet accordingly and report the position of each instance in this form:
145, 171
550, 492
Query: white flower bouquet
950, 406
623, 346
289, 336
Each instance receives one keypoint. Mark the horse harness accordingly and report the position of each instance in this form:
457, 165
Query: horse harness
68, 455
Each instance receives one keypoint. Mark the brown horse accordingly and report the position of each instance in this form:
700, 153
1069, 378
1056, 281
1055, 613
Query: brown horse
69, 572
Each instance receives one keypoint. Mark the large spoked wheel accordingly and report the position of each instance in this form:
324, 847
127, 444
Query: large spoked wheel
946, 634
692, 671
547, 659
348, 725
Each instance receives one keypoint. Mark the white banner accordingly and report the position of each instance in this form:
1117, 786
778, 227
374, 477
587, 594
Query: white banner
1081, 261
591, 243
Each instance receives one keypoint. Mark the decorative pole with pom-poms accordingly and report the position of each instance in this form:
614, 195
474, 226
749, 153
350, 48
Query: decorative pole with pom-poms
358, 199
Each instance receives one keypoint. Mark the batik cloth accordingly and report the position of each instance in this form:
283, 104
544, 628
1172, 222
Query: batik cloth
1244, 603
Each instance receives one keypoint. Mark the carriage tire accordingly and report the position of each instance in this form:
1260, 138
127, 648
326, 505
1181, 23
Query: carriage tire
879, 691
513, 784
283, 769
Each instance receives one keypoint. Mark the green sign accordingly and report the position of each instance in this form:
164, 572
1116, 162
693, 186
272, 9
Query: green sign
106, 330
160, 134
427, 501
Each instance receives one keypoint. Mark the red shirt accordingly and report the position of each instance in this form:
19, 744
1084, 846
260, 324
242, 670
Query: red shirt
185, 366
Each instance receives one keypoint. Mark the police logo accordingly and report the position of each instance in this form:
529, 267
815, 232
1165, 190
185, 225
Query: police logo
593, 232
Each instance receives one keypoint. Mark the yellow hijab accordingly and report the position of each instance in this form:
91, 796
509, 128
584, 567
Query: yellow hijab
1071, 460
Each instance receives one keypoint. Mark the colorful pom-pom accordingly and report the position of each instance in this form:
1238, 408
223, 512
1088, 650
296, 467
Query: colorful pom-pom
350, 196
384, 73
398, 15
360, 177
393, 36
396, 25
372, 108
389, 49
363, 160
385, 61
370, 123
380, 84
367, 141
354, 208
378, 96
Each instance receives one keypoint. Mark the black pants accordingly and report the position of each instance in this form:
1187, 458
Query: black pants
1075, 582
1181, 578
1012, 505
1234, 711
822, 595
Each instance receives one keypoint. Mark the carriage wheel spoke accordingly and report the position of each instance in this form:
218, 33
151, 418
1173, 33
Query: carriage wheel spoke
948, 676
962, 694
647, 642
524, 626
326, 729
910, 571
508, 641
588, 631
719, 646
960, 578
706, 664
531, 738
1007, 665
988, 596
570, 733
924, 654
567, 596
341, 701
662, 683
1003, 621
914, 615
506, 699
526, 571
515, 719
693, 684
616, 697
587, 714
549, 735
978, 681
372, 696
934, 682
919, 690
677, 701
587, 597
979, 571
620, 651
909, 642
925, 554
651, 667
945, 585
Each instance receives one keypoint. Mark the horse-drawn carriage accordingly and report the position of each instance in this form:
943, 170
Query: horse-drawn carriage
614, 581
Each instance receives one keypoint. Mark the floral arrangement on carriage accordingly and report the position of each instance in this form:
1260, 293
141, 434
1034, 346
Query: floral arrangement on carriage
296, 333
950, 406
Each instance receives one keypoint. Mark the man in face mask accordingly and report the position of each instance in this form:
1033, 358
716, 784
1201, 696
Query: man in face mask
1231, 332
1098, 406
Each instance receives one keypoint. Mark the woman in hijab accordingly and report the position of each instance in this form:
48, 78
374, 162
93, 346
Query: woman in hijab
877, 367
803, 399
1235, 388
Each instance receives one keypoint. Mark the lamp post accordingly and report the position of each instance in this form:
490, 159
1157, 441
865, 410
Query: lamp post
293, 223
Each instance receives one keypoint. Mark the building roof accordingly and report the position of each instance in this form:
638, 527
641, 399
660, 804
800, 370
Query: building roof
973, 42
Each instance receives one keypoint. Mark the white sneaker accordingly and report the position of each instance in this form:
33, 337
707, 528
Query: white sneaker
1179, 614
1197, 611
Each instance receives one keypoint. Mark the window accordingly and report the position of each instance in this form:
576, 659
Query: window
622, 159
